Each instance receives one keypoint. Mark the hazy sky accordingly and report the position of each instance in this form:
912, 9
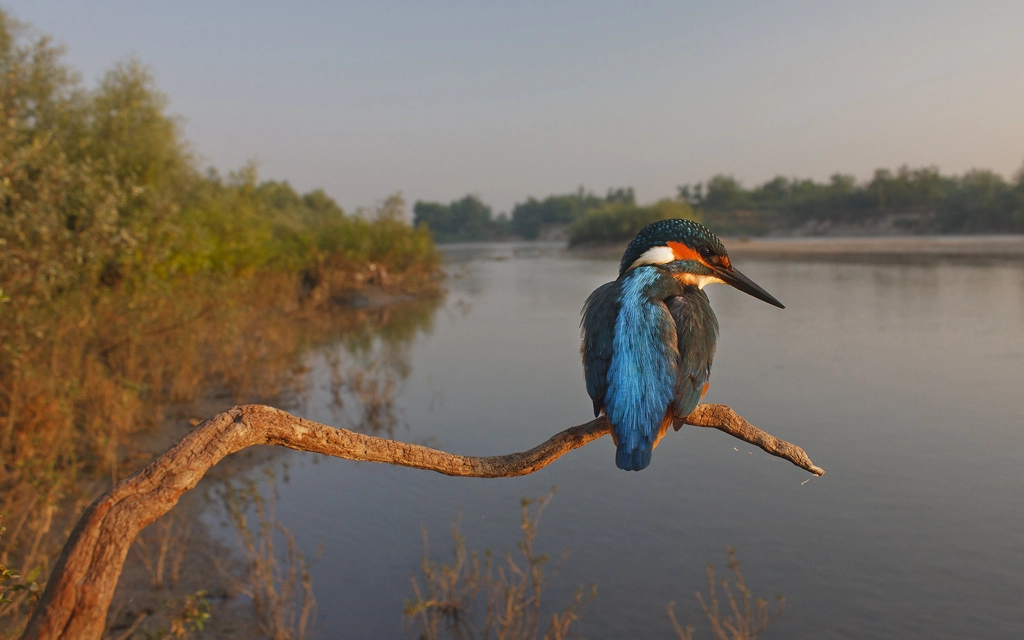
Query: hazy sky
512, 99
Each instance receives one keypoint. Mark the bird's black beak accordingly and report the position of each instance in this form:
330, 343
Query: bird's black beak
746, 285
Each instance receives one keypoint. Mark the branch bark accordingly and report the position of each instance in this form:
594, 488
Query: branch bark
81, 586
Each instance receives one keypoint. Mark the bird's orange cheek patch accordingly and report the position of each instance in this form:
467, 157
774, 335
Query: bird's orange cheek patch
683, 252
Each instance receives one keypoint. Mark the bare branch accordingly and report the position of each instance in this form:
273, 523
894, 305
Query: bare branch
723, 418
78, 594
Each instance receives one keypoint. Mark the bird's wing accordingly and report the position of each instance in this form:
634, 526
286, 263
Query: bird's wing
598, 331
697, 333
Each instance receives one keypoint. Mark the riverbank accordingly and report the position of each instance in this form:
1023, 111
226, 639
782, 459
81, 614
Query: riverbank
114, 389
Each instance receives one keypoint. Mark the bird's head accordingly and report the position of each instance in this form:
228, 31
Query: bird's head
691, 253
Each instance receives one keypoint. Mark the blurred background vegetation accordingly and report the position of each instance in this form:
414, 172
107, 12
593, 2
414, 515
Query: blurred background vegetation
130, 278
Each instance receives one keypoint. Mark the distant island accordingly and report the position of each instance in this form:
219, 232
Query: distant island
903, 202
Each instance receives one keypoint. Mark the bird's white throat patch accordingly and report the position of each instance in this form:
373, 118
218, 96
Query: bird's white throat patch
655, 255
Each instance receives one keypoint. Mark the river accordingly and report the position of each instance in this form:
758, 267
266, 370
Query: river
902, 379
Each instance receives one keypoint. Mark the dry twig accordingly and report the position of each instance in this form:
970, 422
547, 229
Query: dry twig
490, 600
282, 596
747, 618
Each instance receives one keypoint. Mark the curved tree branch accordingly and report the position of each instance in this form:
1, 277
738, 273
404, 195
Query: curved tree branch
81, 586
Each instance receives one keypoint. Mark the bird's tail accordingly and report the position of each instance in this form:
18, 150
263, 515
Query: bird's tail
633, 459
637, 456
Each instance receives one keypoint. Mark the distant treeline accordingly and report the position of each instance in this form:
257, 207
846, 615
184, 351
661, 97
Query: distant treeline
980, 201
908, 200
464, 220
586, 216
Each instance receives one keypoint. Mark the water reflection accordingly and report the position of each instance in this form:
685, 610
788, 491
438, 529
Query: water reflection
345, 365
358, 377
902, 380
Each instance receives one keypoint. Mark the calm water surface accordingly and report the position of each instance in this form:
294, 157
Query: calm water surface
903, 381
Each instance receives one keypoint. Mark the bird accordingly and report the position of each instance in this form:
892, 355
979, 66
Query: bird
648, 338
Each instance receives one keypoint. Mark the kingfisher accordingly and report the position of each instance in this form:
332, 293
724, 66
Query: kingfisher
649, 337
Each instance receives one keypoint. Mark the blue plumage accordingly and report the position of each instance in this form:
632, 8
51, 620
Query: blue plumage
649, 337
644, 365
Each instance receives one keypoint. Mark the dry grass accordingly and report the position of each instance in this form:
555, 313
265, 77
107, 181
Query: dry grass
279, 585
477, 597
12, 587
161, 549
77, 405
746, 617
186, 616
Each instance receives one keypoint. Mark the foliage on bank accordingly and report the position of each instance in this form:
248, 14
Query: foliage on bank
130, 278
